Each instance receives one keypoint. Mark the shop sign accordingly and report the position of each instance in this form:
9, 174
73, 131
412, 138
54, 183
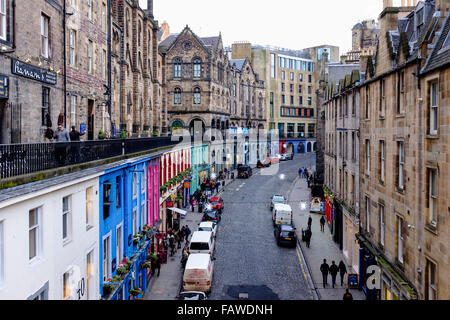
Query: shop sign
4, 89
187, 185
29, 71
170, 204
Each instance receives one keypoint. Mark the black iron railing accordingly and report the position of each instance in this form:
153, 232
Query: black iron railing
19, 159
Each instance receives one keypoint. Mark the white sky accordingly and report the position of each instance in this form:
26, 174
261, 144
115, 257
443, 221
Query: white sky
294, 24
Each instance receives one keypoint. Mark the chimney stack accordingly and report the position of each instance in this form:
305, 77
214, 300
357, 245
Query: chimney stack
150, 8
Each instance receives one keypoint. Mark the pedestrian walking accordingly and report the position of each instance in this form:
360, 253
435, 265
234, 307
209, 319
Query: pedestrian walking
322, 224
75, 147
324, 268
217, 186
184, 257
61, 135
308, 235
347, 295
309, 222
188, 232
342, 271
306, 174
158, 263
300, 172
183, 233
333, 271
172, 244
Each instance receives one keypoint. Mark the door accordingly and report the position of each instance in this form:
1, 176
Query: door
3, 123
90, 119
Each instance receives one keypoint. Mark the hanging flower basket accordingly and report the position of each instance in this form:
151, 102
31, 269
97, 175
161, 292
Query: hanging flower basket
136, 291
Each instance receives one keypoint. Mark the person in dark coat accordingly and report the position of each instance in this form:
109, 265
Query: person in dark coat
158, 263
308, 235
188, 232
333, 271
172, 244
347, 295
183, 233
324, 268
309, 222
342, 271
217, 186
322, 224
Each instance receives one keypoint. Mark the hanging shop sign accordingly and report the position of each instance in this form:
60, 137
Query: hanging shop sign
4, 89
29, 71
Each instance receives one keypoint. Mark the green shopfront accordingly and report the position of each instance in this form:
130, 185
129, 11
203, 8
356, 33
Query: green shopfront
200, 165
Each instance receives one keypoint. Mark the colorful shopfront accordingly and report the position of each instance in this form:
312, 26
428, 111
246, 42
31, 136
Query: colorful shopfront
128, 215
200, 167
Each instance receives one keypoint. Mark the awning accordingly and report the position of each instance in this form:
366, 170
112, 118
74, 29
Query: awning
181, 212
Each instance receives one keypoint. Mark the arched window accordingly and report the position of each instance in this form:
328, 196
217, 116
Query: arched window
177, 67
197, 96
177, 96
197, 68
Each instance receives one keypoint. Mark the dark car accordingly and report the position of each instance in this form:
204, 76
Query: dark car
211, 215
244, 172
285, 235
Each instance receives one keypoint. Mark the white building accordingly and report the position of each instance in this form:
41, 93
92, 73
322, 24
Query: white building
49, 239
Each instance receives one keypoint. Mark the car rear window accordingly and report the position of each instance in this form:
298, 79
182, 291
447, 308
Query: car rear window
288, 234
278, 199
199, 246
205, 229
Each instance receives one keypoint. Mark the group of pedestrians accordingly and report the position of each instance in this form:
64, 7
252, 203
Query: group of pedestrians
208, 187
333, 270
303, 173
175, 237
62, 135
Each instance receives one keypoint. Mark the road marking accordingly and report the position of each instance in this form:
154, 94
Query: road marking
303, 270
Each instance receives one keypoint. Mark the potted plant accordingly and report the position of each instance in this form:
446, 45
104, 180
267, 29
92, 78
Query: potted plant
136, 291
101, 135
122, 269
155, 133
146, 264
123, 134
108, 288
136, 239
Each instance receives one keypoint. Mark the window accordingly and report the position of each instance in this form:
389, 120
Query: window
197, 96
300, 89
272, 65
309, 78
309, 90
2, 255
381, 208
283, 75
430, 281
90, 275
382, 161
143, 178
282, 86
433, 110
118, 188
432, 197
198, 68
66, 285
353, 146
66, 218
401, 92
143, 215
72, 50
104, 22
177, 68
311, 130
401, 165
135, 221
106, 258
177, 96
89, 12
119, 241
3, 20
34, 233
106, 200
44, 36
90, 56
292, 76
368, 214
382, 98
300, 77
367, 157
135, 184
399, 239
291, 88
300, 100
309, 101
105, 64
89, 208
283, 99
292, 100
45, 108
367, 109
301, 130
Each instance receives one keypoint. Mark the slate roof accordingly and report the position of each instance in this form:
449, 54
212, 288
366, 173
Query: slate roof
169, 40
210, 41
440, 56
238, 62
337, 72
357, 26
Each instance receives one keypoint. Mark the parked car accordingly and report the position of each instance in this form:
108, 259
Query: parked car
192, 295
217, 204
277, 198
198, 274
273, 159
283, 157
315, 205
282, 214
211, 215
285, 234
244, 172
289, 156
208, 226
264, 164
202, 242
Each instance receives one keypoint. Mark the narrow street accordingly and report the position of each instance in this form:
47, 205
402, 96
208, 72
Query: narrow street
248, 258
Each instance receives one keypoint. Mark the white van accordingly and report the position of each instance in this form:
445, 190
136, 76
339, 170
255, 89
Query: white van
198, 273
202, 242
282, 214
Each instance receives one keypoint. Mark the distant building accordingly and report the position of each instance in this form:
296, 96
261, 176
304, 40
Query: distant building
364, 41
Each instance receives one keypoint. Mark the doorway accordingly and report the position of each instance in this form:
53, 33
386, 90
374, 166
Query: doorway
90, 119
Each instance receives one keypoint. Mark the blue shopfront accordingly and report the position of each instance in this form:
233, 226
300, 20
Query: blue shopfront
125, 233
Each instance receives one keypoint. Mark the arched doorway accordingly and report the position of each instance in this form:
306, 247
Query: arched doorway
301, 147
308, 147
192, 127
177, 128
290, 148
315, 146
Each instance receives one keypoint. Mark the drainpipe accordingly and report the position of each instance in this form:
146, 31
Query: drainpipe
109, 64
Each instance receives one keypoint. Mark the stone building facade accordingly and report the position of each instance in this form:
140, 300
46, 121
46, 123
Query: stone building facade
31, 68
403, 165
136, 70
202, 84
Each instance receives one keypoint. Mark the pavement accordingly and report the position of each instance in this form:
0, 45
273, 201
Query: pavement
321, 247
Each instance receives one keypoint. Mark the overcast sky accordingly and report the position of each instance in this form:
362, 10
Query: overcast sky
294, 24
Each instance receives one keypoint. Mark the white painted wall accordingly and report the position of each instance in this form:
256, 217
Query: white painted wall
22, 277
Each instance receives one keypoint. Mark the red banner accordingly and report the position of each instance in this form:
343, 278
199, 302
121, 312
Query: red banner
328, 209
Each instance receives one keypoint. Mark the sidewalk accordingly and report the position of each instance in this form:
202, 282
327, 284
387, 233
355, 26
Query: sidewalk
321, 247
168, 284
